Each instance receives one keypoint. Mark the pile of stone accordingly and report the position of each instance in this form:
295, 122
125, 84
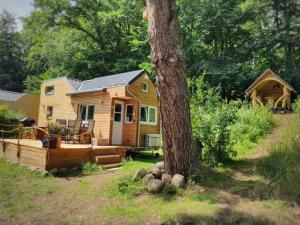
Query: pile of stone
156, 179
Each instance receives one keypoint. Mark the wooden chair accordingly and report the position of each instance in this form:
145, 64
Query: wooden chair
75, 131
86, 136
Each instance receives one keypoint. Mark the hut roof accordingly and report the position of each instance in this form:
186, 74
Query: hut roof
263, 76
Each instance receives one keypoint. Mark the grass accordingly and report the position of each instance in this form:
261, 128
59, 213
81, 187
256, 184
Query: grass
19, 187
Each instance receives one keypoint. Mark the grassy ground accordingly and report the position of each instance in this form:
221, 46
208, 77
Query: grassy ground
231, 194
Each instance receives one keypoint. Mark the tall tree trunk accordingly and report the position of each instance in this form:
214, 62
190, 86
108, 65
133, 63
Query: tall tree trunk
167, 60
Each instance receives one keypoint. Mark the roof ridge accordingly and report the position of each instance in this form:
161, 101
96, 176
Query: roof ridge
14, 92
113, 75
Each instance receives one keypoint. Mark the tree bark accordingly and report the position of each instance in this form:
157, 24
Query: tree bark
167, 60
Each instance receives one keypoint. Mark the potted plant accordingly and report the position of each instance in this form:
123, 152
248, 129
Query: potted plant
54, 135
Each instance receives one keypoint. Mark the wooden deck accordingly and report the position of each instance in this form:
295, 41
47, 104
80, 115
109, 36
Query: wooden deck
30, 153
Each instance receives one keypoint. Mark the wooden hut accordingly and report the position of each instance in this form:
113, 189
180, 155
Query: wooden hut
272, 91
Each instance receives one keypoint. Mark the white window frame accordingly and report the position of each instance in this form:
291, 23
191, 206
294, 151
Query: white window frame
128, 122
145, 90
148, 107
49, 93
86, 111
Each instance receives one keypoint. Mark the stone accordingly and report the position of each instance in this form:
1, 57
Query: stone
147, 178
166, 178
161, 165
155, 186
155, 171
45, 173
139, 174
178, 181
53, 171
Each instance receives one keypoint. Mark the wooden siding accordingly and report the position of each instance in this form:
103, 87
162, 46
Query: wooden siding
29, 156
146, 98
61, 103
103, 106
28, 105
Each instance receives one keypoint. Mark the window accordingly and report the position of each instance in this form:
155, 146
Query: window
152, 115
118, 112
49, 112
144, 87
86, 112
144, 116
129, 114
49, 90
148, 115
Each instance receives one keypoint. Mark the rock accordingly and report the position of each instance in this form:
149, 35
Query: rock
166, 178
178, 181
45, 173
147, 178
160, 165
155, 171
139, 174
76, 168
53, 171
155, 186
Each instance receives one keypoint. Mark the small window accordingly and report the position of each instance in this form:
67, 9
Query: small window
129, 114
144, 87
49, 90
152, 115
118, 113
86, 112
49, 112
144, 116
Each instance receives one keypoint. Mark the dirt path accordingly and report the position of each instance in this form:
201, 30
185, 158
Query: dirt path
245, 195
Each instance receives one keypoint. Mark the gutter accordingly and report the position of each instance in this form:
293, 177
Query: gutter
139, 113
86, 92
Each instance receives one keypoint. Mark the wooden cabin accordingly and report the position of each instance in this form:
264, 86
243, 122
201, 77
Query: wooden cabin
26, 103
124, 106
272, 91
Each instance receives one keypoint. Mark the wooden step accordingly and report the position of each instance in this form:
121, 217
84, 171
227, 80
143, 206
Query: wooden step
107, 159
111, 166
104, 151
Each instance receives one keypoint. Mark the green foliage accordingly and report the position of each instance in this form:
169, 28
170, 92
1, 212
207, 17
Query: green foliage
11, 62
252, 124
130, 188
8, 116
90, 168
282, 166
33, 83
211, 122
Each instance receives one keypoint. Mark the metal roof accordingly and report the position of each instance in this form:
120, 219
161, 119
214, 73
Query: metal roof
10, 96
101, 83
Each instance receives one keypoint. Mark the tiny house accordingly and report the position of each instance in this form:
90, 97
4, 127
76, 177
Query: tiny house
124, 106
272, 91
26, 103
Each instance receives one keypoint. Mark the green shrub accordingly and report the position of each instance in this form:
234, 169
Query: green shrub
89, 168
130, 188
211, 122
252, 123
8, 116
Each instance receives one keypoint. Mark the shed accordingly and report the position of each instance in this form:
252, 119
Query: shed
272, 91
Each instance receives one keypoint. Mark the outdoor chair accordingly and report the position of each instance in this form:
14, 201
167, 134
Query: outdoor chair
62, 124
74, 131
86, 136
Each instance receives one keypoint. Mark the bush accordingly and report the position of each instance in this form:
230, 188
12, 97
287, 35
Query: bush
8, 116
282, 166
211, 122
251, 125
89, 168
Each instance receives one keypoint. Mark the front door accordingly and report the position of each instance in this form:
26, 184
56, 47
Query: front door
117, 131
